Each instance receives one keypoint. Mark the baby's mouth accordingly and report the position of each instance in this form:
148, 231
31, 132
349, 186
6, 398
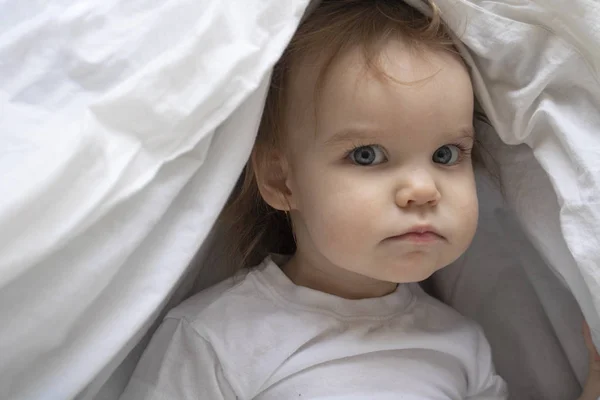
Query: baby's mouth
419, 234
418, 237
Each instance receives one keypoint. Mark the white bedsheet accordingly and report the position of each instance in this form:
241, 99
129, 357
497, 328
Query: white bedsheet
118, 147
124, 124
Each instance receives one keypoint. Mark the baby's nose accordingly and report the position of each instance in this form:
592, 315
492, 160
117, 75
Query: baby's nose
418, 190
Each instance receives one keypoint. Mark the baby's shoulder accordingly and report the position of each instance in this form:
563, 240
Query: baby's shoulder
249, 330
224, 304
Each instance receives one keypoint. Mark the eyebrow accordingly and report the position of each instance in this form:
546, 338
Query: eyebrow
353, 134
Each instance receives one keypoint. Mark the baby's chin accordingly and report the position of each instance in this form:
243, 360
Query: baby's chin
411, 272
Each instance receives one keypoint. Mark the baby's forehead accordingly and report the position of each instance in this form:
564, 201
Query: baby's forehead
315, 76
401, 86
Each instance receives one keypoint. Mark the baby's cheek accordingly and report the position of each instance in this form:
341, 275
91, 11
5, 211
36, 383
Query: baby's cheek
342, 212
346, 225
467, 217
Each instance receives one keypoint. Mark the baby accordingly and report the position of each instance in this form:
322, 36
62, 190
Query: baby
362, 173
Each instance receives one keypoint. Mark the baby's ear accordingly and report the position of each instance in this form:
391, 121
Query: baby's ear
271, 169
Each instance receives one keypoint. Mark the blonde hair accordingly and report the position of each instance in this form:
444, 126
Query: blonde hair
336, 26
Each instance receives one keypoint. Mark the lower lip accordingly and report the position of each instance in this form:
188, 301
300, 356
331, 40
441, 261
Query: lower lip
419, 238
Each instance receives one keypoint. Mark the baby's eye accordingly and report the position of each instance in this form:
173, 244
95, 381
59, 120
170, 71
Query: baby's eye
367, 155
447, 155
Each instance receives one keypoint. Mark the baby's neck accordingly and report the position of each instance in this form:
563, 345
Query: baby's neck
334, 280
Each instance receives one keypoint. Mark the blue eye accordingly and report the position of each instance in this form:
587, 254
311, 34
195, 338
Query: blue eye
367, 155
447, 155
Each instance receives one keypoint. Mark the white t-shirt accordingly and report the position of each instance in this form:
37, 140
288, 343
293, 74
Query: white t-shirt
261, 337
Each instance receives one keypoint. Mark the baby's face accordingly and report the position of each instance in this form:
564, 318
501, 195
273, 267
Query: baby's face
379, 159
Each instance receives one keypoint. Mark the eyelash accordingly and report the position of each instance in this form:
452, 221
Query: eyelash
465, 150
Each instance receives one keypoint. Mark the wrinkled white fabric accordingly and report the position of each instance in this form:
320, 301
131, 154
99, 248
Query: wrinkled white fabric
123, 127
120, 140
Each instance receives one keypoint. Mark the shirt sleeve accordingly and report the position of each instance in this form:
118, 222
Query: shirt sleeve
178, 364
486, 384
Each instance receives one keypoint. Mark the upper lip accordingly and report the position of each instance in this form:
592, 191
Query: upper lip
421, 229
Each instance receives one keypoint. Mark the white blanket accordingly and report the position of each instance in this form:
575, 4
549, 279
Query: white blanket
124, 125
123, 128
